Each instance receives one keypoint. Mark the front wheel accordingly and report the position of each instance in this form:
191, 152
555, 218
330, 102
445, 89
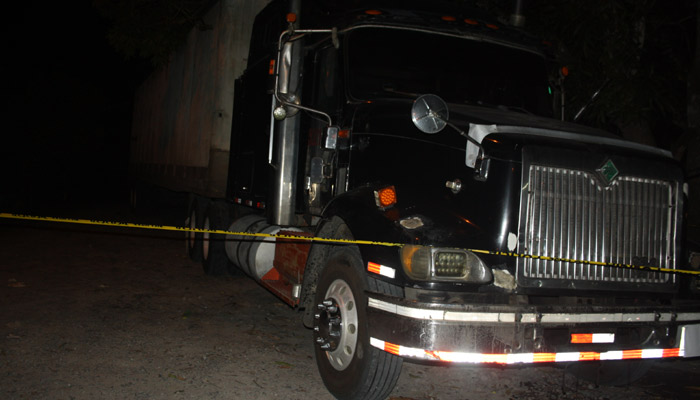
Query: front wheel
349, 366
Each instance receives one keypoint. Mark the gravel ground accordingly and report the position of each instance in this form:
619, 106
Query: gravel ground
110, 313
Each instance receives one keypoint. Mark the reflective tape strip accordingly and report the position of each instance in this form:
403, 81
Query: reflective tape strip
381, 270
592, 338
521, 358
510, 317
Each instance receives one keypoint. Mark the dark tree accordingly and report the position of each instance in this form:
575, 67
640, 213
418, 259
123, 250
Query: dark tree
151, 29
639, 51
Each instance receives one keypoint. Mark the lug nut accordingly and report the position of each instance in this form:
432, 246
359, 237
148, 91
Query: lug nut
327, 303
321, 307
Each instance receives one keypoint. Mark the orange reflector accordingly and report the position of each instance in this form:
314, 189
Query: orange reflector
631, 354
471, 21
492, 26
564, 71
271, 71
386, 197
671, 353
391, 348
291, 18
449, 18
373, 12
544, 357
582, 338
588, 356
373, 267
344, 133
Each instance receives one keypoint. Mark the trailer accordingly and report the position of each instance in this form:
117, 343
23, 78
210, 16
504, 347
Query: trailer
401, 181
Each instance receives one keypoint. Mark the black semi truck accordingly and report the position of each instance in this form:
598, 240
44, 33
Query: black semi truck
415, 198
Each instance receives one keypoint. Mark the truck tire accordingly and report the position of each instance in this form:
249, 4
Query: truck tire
349, 366
195, 220
214, 259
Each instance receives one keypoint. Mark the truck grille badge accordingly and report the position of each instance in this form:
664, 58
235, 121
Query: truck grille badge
608, 171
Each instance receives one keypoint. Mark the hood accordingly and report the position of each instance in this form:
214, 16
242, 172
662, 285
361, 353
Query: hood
393, 117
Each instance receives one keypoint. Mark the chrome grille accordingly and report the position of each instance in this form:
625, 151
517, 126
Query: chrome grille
570, 215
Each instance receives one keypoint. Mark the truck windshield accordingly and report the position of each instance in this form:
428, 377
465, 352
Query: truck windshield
401, 63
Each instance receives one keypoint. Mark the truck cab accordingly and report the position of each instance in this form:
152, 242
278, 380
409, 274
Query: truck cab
441, 213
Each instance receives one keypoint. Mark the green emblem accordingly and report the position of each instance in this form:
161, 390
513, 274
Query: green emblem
608, 171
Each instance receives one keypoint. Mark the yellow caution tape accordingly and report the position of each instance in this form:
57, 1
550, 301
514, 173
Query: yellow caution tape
339, 241
601, 263
181, 229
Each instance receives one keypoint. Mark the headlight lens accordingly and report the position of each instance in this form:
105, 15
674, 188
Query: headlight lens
441, 264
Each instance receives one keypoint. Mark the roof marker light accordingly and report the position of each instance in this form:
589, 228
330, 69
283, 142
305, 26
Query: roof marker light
492, 26
471, 21
449, 18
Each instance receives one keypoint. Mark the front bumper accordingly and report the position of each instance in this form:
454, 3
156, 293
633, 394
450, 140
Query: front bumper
510, 334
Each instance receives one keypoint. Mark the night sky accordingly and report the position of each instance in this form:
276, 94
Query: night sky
68, 99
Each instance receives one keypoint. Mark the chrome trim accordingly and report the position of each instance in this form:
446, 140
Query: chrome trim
479, 131
690, 340
544, 318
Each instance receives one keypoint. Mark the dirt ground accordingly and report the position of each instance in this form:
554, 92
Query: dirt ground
114, 313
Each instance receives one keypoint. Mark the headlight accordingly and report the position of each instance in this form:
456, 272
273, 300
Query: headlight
440, 264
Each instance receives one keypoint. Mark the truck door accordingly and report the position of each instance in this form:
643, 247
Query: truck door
321, 170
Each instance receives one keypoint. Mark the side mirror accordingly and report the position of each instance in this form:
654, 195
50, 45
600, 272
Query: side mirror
430, 113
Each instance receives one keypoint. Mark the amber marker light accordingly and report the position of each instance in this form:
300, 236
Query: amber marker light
471, 21
291, 18
373, 12
271, 71
385, 197
449, 18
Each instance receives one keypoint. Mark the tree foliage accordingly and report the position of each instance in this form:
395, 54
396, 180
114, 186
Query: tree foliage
151, 29
639, 51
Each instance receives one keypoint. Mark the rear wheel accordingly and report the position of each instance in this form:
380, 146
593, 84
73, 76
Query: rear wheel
214, 259
349, 366
195, 220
